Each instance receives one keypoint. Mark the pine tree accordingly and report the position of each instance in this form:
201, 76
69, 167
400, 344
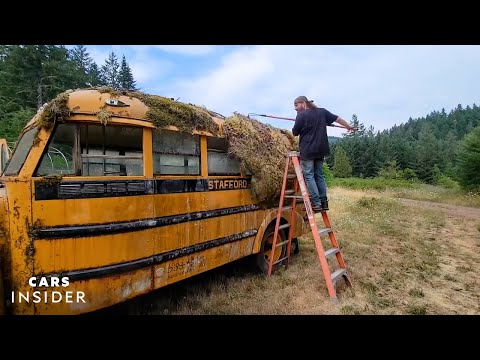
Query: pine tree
341, 164
469, 160
359, 126
109, 72
427, 154
95, 76
83, 61
125, 76
34, 74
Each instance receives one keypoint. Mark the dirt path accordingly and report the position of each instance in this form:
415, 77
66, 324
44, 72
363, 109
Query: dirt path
457, 288
461, 211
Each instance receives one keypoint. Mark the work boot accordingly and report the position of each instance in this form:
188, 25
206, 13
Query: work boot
324, 205
317, 209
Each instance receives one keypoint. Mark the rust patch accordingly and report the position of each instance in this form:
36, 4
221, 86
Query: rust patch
51, 180
16, 212
33, 231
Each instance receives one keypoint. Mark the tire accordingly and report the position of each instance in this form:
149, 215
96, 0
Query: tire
263, 256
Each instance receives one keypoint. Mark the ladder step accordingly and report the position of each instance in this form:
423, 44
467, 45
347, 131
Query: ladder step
325, 231
282, 243
338, 273
284, 226
298, 197
291, 176
289, 192
331, 252
280, 260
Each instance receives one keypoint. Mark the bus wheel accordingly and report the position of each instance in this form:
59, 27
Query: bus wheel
265, 253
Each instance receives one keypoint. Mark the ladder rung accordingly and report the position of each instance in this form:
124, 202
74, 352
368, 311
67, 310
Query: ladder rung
284, 226
282, 243
325, 231
280, 260
291, 176
338, 273
331, 252
289, 192
298, 197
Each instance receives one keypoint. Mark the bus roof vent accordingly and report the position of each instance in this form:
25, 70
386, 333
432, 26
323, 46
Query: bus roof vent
114, 102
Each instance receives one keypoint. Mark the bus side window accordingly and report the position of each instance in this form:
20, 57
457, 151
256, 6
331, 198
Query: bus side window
58, 159
4, 158
111, 150
219, 161
175, 153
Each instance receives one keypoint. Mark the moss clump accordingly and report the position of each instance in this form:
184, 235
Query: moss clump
51, 180
187, 118
55, 110
107, 89
166, 112
104, 116
262, 149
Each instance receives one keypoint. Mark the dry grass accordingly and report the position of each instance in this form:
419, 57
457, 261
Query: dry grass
262, 150
438, 194
55, 110
402, 260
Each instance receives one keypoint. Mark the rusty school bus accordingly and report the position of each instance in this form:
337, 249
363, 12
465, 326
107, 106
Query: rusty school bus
95, 212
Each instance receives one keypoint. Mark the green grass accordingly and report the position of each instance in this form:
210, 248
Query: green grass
373, 184
417, 310
411, 190
417, 293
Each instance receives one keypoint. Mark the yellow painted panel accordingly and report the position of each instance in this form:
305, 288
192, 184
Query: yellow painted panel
187, 266
180, 203
98, 293
21, 246
88, 252
195, 232
147, 153
228, 198
93, 210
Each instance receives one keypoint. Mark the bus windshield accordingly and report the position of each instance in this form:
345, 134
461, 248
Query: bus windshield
20, 152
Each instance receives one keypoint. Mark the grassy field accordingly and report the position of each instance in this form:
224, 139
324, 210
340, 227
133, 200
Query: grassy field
402, 258
411, 190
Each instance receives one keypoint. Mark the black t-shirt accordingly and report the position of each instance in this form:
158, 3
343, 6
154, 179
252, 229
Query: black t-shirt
311, 125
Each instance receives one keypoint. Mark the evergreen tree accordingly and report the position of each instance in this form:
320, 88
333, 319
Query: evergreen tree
125, 76
83, 62
469, 160
95, 76
31, 75
427, 154
341, 165
109, 72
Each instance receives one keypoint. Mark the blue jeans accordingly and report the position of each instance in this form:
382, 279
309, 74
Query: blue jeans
313, 174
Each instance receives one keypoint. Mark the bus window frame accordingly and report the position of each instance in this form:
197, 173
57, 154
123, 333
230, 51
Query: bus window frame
77, 157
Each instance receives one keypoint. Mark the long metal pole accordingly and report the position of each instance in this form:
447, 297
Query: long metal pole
285, 118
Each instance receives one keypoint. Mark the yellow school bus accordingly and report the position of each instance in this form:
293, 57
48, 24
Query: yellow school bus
96, 210
4, 154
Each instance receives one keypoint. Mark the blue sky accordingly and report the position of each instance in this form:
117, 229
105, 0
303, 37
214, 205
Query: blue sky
382, 85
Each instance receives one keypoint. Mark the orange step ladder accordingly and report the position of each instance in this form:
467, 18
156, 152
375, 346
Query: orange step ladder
330, 278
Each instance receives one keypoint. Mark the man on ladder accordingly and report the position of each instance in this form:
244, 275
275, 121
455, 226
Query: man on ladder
311, 124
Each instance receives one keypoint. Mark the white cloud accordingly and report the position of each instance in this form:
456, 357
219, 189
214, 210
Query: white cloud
147, 69
195, 50
383, 85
